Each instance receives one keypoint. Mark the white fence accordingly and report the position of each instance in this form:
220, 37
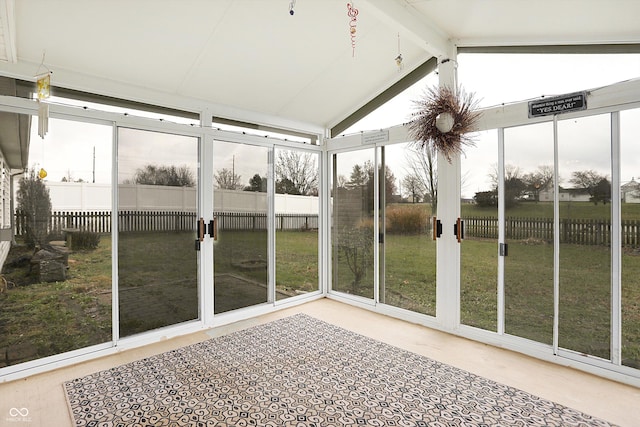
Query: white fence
87, 197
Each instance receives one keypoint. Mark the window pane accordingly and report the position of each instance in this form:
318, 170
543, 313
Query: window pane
478, 254
528, 268
57, 294
630, 194
157, 263
352, 216
240, 206
409, 251
297, 215
584, 147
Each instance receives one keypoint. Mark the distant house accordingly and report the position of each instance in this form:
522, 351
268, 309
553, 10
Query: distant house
630, 192
566, 195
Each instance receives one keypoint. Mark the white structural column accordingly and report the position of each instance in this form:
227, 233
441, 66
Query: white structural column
448, 248
205, 208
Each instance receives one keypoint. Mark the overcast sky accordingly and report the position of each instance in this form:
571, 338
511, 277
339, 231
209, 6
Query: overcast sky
494, 79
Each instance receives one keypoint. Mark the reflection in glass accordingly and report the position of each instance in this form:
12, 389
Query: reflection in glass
157, 263
240, 206
528, 268
352, 215
584, 148
409, 251
297, 215
478, 255
630, 195
56, 289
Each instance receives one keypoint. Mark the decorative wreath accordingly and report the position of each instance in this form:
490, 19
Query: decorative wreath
443, 121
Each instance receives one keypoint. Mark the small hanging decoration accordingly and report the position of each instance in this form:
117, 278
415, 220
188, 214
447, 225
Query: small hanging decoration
43, 91
352, 13
42, 174
292, 4
399, 57
443, 121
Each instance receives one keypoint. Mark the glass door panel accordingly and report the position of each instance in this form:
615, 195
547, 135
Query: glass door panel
584, 157
157, 204
240, 205
297, 214
528, 266
478, 254
352, 229
409, 251
630, 236
56, 295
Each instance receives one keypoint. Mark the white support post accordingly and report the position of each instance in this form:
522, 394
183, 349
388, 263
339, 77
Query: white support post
448, 212
205, 210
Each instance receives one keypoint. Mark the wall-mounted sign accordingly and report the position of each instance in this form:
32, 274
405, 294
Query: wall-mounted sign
558, 105
375, 137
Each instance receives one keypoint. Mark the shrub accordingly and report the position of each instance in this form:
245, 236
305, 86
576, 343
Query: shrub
84, 240
35, 204
486, 199
407, 219
356, 247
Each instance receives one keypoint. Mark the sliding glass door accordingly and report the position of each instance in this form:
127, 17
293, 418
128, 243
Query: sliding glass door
584, 164
479, 213
352, 223
297, 216
240, 199
157, 205
528, 232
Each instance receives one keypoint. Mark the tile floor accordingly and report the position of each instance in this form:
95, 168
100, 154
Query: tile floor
44, 397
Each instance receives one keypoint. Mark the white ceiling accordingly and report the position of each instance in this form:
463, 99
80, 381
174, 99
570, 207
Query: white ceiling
252, 56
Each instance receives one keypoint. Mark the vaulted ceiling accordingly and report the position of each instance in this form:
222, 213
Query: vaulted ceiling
254, 60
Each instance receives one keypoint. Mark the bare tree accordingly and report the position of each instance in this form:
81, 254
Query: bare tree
227, 180
597, 185
413, 185
150, 174
510, 172
539, 180
298, 170
423, 167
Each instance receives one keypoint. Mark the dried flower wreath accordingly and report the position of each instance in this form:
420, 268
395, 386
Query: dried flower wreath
443, 121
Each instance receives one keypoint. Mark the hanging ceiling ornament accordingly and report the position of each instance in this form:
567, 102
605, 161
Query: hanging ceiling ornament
292, 4
399, 57
352, 13
42, 174
43, 92
443, 121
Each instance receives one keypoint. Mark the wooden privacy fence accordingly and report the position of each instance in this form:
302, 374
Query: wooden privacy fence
578, 231
100, 221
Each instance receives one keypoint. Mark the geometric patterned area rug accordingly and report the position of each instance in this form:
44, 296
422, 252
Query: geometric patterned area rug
301, 371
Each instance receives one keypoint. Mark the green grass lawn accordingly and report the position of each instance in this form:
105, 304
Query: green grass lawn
48, 318
579, 210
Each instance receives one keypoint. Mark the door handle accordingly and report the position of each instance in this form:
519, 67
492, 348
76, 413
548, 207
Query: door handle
213, 228
437, 228
201, 229
458, 229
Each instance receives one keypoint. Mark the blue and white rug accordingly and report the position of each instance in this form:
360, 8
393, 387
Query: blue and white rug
300, 371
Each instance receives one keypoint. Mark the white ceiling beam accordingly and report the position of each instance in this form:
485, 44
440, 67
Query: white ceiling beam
8, 28
412, 25
546, 41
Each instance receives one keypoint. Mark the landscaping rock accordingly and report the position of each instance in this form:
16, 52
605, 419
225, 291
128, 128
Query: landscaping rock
52, 271
49, 266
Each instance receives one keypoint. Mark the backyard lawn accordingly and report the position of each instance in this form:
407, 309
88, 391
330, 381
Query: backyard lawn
43, 319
